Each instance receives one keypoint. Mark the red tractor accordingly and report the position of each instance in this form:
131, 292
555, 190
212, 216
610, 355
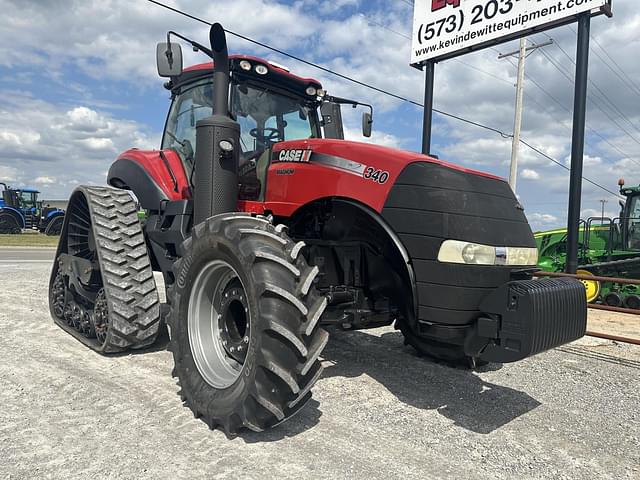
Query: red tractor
265, 231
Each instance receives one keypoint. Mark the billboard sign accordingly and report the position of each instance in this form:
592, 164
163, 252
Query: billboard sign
447, 28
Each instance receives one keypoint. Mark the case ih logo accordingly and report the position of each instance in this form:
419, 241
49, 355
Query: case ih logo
294, 156
439, 4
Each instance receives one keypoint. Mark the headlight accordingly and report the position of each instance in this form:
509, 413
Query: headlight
261, 70
245, 65
311, 90
455, 251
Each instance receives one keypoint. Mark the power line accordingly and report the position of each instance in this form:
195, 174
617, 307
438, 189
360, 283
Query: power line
591, 130
604, 95
629, 81
371, 87
327, 70
566, 109
540, 152
457, 60
593, 100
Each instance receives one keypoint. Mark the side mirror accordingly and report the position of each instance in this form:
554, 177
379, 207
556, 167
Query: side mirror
169, 59
367, 122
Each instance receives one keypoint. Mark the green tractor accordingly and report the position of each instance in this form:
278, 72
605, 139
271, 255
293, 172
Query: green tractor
608, 247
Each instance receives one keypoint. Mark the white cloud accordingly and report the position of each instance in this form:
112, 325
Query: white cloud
8, 174
542, 221
44, 180
66, 144
378, 137
529, 174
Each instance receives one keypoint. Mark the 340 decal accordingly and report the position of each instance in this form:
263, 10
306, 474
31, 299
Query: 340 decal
376, 175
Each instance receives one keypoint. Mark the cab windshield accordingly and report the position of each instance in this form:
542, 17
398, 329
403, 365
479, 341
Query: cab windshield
28, 199
265, 116
633, 240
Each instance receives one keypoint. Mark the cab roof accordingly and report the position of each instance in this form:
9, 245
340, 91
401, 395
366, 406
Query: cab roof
276, 74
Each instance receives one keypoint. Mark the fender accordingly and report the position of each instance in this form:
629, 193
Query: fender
55, 213
153, 176
393, 236
17, 214
399, 257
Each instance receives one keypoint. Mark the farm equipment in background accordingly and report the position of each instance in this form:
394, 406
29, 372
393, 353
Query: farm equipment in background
608, 248
20, 209
267, 225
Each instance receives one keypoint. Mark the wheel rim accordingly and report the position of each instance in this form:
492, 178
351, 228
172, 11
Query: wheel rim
633, 301
218, 324
592, 287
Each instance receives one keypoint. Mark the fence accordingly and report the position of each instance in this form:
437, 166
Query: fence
623, 281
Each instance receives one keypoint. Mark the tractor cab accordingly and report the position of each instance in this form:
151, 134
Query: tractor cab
270, 105
28, 199
629, 220
9, 197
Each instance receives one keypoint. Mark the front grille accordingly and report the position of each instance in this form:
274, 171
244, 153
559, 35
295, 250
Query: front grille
430, 203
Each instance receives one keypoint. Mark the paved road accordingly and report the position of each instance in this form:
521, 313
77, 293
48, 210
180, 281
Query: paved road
379, 411
19, 255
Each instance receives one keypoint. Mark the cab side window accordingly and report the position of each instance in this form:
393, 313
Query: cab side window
191, 105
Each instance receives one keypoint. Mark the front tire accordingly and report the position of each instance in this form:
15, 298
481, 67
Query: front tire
9, 224
244, 324
55, 226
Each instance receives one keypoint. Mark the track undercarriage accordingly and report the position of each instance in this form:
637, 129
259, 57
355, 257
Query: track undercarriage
102, 286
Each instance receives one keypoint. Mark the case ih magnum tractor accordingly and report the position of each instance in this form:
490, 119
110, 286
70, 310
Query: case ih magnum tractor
264, 231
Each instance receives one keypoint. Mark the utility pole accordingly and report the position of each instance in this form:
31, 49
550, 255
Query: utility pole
603, 202
517, 122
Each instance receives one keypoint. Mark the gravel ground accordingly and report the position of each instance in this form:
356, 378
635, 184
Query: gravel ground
379, 411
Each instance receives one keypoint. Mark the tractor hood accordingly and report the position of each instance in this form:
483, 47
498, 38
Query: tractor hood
365, 154
303, 171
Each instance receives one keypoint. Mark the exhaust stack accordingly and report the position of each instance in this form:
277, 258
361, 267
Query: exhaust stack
217, 143
218, 41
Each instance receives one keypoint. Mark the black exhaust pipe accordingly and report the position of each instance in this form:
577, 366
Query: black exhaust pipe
218, 41
217, 143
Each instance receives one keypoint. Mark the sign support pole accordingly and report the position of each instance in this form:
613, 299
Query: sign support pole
429, 74
577, 141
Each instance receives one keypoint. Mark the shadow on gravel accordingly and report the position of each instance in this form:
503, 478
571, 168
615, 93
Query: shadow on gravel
307, 418
456, 393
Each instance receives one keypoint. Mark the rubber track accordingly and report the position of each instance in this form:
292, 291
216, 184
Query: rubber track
292, 341
127, 277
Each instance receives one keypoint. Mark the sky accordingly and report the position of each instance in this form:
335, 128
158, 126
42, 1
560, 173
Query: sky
79, 85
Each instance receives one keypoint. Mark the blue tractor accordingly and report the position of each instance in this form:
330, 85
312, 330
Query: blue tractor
20, 209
